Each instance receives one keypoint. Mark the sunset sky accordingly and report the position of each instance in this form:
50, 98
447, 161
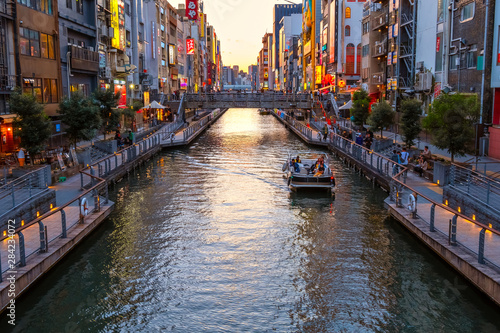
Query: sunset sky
240, 25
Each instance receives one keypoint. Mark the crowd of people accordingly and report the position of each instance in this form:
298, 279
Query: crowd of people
124, 141
403, 158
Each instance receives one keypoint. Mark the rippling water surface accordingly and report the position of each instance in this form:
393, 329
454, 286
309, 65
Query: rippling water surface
210, 239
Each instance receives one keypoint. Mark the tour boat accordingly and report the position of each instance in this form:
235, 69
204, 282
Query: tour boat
303, 178
264, 111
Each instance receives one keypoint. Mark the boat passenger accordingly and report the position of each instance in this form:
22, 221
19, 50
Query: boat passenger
298, 159
321, 170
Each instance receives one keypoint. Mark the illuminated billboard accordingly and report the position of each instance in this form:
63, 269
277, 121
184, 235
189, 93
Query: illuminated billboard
333, 30
307, 19
115, 40
190, 46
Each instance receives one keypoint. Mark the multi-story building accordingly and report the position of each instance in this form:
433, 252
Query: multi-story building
291, 26
7, 73
280, 11
264, 62
78, 46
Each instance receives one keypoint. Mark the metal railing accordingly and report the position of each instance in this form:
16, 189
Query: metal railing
22, 189
105, 166
475, 185
478, 238
19, 245
248, 97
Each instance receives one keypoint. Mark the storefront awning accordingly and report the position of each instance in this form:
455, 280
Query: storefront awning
7, 118
347, 106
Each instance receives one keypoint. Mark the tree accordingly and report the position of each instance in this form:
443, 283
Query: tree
382, 116
360, 107
81, 116
106, 100
411, 127
31, 125
451, 122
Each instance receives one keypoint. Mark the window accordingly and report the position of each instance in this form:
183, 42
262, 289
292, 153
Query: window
358, 59
29, 42
163, 62
69, 4
50, 91
467, 12
47, 46
472, 57
366, 50
83, 88
349, 59
454, 62
127, 9
33, 87
347, 30
366, 27
79, 6
44, 6
348, 12
162, 45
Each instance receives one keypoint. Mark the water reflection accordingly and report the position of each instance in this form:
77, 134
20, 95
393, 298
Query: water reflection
210, 239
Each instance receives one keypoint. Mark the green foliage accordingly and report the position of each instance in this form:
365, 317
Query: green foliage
382, 116
81, 116
360, 107
451, 121
106, 100
411, 127
32, 125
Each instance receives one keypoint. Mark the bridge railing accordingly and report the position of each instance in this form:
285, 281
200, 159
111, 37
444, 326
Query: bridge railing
248, 97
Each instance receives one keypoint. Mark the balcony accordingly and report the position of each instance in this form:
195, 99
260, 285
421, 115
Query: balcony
377, 78
83, 59
6, 7
7, 82
379, 49
380, 20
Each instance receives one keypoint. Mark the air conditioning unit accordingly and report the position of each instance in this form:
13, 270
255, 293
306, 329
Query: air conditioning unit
91, 48
111, 32
137, 87
424, 81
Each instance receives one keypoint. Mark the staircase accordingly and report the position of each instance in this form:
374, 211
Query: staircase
96, 154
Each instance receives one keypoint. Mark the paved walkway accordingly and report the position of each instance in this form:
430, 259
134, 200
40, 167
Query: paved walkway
467, 230
492, 165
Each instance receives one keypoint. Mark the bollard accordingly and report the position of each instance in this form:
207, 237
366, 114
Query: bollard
453, 231
433, 215
480, 255
63, 224
43, 245
22, 250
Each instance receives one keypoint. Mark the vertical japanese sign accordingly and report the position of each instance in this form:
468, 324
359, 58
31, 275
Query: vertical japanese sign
153, 40
115, 40
202, 25
192, 9
171, 54
121, 23
307, 19
189, 46
333, 30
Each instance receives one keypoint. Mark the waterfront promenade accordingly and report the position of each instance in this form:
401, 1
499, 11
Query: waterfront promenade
471, 247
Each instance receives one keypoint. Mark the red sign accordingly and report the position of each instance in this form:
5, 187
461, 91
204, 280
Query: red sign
438, 44
437, 90
498, 58
192, 9
189, 46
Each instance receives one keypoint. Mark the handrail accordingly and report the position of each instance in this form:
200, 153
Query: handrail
58, 209
440, 205
22, 178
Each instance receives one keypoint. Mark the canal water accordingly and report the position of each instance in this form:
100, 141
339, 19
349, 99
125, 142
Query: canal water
210, 239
